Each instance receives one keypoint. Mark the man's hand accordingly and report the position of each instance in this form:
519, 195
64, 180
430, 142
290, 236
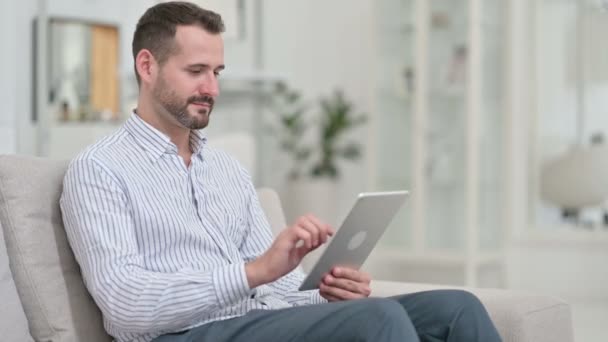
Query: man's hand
344, 283
288, 250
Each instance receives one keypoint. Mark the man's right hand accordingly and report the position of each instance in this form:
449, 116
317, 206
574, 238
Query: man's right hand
287, 251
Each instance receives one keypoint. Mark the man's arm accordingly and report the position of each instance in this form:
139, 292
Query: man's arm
100, 230
258, 240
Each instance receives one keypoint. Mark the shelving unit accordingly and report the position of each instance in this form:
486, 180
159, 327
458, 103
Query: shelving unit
443, 138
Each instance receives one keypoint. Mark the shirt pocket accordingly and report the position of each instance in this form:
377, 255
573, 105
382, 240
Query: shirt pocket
235, 228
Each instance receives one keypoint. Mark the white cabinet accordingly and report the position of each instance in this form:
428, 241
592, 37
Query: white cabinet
439, 131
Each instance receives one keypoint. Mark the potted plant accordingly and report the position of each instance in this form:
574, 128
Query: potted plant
335, 120
315, 145
289, 126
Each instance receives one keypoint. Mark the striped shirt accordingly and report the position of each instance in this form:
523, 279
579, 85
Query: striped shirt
162, 246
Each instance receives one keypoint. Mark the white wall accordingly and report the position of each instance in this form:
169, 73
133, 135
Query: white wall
9, 76
321, 45
556, 60
324, 45
24, 12
317, 45
124, 14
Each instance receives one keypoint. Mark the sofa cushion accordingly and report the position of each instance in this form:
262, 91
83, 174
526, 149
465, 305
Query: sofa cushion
13, 324
55, 300
519, 317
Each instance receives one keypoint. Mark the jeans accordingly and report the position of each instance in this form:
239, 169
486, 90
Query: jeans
431, 316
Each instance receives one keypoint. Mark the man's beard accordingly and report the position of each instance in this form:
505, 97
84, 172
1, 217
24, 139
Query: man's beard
171, 102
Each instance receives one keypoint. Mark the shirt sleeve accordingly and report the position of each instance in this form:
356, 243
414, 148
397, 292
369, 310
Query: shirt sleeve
100, 229
258, 239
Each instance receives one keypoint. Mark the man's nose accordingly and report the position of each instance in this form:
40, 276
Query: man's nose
210, 86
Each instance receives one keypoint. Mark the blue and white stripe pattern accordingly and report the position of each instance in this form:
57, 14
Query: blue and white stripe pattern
162, 247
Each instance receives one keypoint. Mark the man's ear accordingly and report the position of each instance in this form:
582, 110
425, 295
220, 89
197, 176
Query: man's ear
146, 65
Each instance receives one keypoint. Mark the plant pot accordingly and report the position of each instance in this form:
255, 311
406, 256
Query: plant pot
311, 196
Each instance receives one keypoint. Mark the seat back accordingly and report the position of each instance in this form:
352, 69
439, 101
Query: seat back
54, 298
57, 305
240, 145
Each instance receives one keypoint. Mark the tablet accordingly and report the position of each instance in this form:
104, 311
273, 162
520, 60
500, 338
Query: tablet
358, 234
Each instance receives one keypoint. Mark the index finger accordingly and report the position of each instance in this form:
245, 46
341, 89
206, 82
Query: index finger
326, 227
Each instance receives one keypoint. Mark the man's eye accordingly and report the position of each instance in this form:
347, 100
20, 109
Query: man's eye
216, 73
195, 72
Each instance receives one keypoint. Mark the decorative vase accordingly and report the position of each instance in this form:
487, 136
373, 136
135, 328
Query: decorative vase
317, 196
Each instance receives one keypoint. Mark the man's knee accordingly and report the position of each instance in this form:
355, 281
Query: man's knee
463, 299
385, 309
455, 300
469, 318
378, 311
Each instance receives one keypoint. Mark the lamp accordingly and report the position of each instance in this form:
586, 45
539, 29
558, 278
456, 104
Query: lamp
579, 177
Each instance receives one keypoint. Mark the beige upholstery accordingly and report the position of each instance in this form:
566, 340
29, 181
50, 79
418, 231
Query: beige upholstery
519, 317
58, 308
56, 303
240, 145
272, 207
13, 324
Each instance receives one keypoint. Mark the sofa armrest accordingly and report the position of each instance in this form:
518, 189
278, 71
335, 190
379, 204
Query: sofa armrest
271, 204
519, 317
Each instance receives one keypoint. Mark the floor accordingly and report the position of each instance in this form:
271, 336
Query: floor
590, 321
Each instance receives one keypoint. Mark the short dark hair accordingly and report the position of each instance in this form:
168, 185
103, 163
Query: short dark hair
156, 28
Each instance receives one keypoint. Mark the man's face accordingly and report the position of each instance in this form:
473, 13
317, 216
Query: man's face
187, 85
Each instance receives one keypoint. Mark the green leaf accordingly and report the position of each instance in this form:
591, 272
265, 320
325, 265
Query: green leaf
303, 154
352, 151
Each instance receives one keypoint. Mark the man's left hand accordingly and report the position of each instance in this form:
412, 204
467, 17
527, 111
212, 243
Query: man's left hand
344, 283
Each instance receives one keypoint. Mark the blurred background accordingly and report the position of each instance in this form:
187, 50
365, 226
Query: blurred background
492, 113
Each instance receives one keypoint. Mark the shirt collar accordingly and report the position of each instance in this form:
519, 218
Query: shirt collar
155, 142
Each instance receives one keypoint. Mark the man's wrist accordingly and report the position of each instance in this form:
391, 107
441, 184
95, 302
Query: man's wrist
256, 273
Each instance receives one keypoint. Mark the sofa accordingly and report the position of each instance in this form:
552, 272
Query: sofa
44, 298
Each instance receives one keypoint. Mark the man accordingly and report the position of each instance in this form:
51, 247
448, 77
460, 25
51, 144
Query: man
171, 239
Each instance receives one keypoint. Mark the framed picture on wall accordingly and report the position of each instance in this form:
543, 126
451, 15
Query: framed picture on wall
81, 71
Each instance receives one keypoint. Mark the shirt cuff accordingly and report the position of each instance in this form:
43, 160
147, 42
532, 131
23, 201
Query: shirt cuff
231, 284
316, 298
